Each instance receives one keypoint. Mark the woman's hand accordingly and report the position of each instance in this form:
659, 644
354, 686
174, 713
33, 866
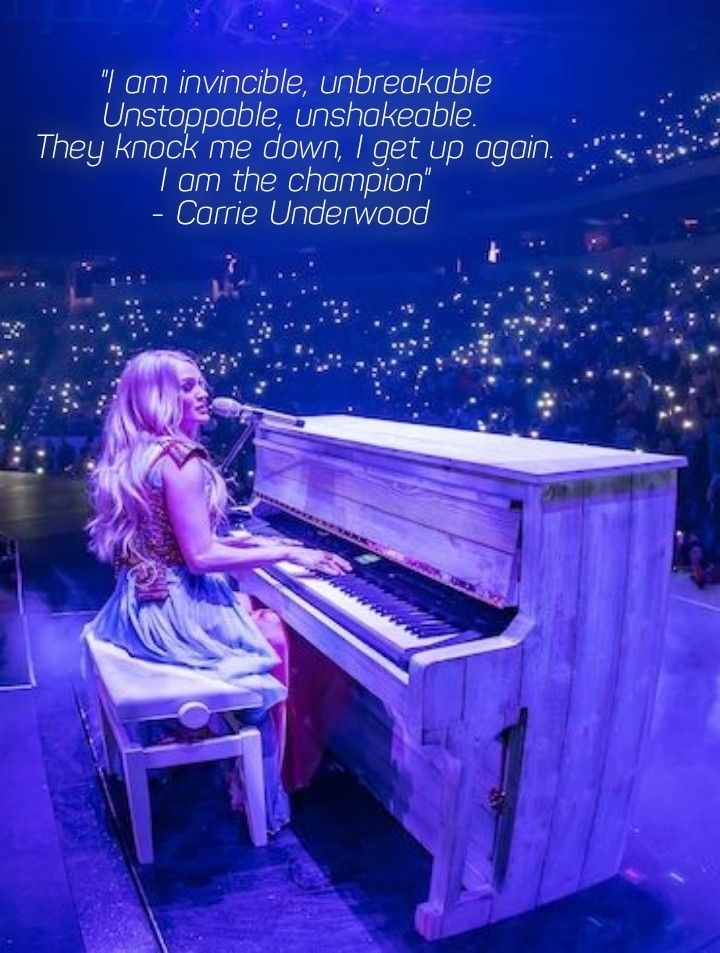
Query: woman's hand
319, 561
240, 539
247, 539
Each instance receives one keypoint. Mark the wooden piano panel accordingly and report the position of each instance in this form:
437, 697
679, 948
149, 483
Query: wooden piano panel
407, 778
592, 667
474, 541
636, 669
602, 550
495, 521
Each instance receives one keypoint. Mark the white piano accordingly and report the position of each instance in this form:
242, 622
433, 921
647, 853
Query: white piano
503, 630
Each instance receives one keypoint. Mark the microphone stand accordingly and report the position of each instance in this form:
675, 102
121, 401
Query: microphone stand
249, 423
249, 419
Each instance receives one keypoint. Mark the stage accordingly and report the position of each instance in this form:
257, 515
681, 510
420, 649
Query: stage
345, 875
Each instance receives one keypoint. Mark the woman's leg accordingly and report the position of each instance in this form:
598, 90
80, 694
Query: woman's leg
275, 631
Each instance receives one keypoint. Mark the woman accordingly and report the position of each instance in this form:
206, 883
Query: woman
158, 502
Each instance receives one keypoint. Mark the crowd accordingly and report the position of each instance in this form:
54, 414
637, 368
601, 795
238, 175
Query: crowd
630, 359
665, 134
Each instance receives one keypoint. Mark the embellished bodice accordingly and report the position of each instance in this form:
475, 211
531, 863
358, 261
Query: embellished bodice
157, 548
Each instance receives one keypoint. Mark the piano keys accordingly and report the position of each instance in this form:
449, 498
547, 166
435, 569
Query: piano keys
503, 629
394, 610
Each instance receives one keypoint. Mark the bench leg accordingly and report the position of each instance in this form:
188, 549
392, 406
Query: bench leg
138, 795
252, 762
111, 754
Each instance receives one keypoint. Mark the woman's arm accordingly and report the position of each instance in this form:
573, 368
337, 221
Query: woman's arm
184, 489
242, 539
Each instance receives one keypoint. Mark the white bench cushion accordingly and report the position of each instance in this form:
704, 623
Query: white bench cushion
142, 690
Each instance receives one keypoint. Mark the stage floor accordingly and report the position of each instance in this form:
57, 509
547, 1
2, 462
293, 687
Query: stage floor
345, 876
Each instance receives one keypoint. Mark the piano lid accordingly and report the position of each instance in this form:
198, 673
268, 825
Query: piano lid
520, 458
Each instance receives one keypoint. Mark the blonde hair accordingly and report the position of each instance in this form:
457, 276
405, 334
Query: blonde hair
145, 409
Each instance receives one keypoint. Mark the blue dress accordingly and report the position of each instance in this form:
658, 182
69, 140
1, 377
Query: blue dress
162, 612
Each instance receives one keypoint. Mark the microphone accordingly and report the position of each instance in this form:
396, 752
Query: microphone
227, 407
232, 409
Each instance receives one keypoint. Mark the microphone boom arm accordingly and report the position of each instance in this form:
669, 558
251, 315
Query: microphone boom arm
249, 418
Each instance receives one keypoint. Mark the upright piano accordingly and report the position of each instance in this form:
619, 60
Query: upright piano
502, 626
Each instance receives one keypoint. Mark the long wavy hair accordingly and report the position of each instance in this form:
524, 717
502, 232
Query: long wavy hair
145, 409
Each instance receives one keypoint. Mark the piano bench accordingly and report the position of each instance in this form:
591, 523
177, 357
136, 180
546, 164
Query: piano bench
132, 692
